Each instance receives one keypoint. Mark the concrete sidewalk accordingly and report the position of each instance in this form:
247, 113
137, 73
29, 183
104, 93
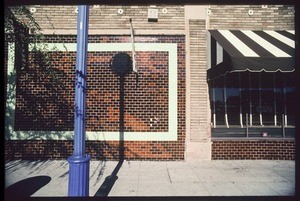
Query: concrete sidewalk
149, 178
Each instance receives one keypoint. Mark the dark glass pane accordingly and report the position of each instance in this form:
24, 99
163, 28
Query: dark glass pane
212, 100
257, 90
290, 98
279, 97
285, 97
255, 98
219, 103
233, 99
267, 98
245, 95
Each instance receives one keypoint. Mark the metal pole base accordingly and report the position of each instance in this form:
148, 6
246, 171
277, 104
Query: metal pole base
79, 175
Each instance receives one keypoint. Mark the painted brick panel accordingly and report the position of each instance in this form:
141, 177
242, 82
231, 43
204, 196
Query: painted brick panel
46, 104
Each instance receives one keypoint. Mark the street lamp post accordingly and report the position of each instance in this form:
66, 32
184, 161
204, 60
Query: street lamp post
79, 162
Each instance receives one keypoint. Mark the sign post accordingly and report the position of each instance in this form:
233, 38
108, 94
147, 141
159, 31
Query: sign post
79, 162
134, 67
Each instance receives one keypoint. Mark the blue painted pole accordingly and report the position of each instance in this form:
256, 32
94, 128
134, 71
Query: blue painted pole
79, 162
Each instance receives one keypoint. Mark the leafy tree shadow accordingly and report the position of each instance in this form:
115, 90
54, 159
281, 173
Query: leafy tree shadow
22, 83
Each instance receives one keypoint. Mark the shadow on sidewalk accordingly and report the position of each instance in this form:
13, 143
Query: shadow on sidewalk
109, 182
121, 64
26, 187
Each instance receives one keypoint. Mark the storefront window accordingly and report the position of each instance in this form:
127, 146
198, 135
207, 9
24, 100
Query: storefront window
264, 98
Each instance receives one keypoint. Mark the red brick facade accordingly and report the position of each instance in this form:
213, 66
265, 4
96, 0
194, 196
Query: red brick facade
267, 149
100, 150
44, 102
108, 150
44, 99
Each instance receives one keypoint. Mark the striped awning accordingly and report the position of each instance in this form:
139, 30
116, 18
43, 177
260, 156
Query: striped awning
254, 51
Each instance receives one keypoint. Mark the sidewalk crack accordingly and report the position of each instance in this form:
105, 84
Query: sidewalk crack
169, 175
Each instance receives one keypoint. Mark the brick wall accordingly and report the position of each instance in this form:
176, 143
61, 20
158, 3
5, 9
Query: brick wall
199, 91
274, 17
107, 17
100, 150
253, 149
57, 112
44, 102
5, 67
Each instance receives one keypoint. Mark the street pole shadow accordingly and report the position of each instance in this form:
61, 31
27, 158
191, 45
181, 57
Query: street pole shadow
25, 188
109, 182
121, 65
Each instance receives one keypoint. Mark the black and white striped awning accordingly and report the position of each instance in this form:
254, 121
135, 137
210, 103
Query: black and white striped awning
254, 51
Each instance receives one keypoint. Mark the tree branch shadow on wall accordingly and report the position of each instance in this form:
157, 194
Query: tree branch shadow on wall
40, 118
10, 96
25, 188
121, 65
21, 86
